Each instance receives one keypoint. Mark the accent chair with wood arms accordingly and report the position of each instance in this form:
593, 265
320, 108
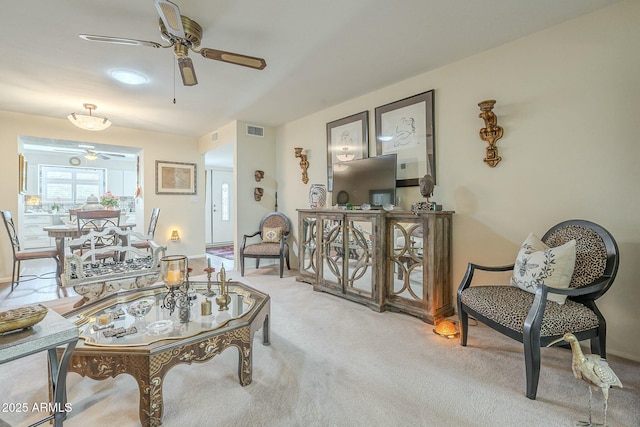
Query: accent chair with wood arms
20, 255
538, 317
151, 231
273, 232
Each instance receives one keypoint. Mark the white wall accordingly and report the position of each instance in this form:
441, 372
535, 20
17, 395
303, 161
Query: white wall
183, 212
251, 153
567, 98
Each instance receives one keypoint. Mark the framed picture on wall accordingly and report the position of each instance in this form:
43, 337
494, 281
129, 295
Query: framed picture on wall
405, 128
175, 178
22, 174
347, 139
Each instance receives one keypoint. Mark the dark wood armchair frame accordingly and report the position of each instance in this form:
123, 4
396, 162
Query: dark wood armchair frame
530, 337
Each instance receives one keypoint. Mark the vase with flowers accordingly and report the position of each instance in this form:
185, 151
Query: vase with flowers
109, 201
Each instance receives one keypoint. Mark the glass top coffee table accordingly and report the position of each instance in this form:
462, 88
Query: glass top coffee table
133, 333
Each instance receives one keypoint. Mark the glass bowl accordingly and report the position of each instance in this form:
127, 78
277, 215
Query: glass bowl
140, 308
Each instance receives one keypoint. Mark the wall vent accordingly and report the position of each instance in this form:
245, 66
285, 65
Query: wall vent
255, 130
214, 137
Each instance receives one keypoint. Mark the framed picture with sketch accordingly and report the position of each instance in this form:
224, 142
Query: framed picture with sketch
175, 178
22, 174
347, 139
405, 128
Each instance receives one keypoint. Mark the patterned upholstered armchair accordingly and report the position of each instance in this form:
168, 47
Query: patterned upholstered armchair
273, 231
533, 318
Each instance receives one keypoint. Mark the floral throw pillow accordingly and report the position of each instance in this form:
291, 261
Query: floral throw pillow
538, 263
271, 234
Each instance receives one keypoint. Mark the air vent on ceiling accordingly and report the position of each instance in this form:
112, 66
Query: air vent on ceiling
255, 130
214, 137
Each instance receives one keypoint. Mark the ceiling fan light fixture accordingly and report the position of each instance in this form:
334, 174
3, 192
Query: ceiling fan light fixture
91, 156
89, 122
187, 72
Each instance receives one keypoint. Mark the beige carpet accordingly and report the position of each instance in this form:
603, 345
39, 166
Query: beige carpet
332, 362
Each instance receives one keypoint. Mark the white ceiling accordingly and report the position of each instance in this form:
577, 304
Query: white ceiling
318, 53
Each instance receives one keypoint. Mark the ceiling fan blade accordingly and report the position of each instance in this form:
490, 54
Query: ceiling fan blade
187, 71
68, 151
170, 15
102, 156
119, 40
233, 58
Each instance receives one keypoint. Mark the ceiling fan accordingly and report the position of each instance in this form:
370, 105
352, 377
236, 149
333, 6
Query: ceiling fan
183, 34
94, 155
91, 154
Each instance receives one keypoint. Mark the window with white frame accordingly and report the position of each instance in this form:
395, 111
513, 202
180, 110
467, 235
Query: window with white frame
70, 184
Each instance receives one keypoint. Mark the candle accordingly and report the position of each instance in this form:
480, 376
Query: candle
173, 277
209, 262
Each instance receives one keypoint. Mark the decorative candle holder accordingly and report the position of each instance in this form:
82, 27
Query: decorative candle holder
173, 270
210, 292
304, 163
223, 299
175, 275
491, 133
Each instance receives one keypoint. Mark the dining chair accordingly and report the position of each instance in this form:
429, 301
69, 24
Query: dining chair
151, 231
98, 220
20, 255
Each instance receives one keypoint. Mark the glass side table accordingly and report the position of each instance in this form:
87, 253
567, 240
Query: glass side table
51, 332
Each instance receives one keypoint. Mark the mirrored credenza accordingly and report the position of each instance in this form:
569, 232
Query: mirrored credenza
397, 261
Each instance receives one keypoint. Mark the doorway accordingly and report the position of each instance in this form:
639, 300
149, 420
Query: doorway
219, 215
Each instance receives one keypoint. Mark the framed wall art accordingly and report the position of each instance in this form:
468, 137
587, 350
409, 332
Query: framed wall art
22, 174
405, 128
175, 178
347, 139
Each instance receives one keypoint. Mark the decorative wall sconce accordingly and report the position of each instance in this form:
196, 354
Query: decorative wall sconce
304, 164
259, 175
175, 236
491, 133
258, 193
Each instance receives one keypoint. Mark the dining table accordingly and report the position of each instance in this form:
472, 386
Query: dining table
71, 231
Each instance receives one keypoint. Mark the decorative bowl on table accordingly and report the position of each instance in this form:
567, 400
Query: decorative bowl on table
140, 308
21, 317
388, 207
160, 327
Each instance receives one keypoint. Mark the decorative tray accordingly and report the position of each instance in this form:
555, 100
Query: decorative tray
21, 318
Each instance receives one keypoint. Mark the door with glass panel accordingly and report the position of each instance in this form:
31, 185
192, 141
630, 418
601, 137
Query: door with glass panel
219, 217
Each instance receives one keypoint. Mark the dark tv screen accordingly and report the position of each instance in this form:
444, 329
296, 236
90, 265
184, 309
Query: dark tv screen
371, 180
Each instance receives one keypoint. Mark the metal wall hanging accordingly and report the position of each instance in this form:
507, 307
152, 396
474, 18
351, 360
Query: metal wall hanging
304, 163
258, 193
491, 133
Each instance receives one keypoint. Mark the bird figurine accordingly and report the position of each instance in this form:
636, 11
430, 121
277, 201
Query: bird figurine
592, 369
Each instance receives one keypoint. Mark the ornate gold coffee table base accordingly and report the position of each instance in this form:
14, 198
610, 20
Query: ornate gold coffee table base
149, 364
